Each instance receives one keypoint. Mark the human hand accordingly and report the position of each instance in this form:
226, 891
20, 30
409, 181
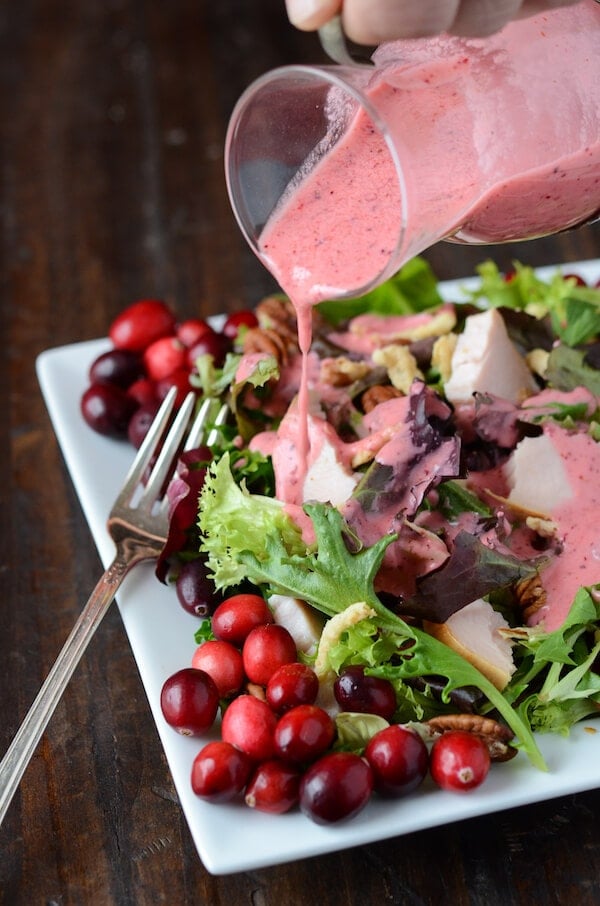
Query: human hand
374, 21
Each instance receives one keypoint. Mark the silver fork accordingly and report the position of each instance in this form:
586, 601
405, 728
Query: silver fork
138, 524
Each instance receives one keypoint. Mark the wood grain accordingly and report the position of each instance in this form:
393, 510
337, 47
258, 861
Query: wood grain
112, 118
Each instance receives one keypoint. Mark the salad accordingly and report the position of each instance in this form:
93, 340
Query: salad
439, 537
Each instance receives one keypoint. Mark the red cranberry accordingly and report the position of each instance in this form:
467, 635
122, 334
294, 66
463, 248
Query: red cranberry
249, 724
238, 320
220, 772
143, 391
117, 366
195, 590
292, 684
164, 357
140, 423
304, 734
266, 648
107, 409
273, 787
189, 701
140, 324
335, 787
459, 761
355, 690
179, 379
398, 759
237, 615
190, 332
215, 344
223, 662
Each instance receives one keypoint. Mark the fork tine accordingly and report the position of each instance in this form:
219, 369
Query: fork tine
219, 420
195, 437
166, 459
197, 429
147, 449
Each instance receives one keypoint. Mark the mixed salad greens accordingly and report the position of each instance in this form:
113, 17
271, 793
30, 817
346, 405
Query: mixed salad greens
426, 525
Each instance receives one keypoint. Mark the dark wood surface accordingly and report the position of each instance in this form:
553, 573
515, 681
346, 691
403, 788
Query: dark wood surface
113, 114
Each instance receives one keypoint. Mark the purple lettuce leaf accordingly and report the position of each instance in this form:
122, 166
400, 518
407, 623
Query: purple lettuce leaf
472, 571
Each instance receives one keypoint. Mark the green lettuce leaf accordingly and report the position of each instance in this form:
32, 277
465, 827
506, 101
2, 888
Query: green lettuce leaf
413, 289
231, 519
574, 310
567, 369
560, 666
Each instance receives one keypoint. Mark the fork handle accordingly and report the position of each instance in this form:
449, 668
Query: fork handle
21, 749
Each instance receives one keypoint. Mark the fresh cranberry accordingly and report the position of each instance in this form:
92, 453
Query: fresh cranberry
335, 787
355, 690
140, 423
266, 648
459, 761
108, 409
140, 324
143, 391
164, 357
303, 734
179, 379
223, 662
189, 701
117, 366
292, 684
273, 787
220, 772
237, 615
238, 320
398, 759
195, 590
215, 344
190, 332
249, 724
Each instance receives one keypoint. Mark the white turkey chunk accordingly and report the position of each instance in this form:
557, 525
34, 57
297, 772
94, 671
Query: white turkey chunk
486, 360
302, 622
537, 476
327, 479
474, 633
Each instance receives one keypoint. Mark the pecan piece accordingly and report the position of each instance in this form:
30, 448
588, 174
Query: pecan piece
531, 595
267, 340
495, 735
380, 393
277, 313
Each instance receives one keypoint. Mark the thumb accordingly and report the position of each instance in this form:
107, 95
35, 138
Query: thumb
309, 15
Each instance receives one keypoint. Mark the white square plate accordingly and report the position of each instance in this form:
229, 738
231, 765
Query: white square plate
233, 838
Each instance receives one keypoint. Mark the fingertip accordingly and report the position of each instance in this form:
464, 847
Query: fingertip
308, 15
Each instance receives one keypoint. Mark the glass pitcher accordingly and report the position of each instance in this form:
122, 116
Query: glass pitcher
338, 175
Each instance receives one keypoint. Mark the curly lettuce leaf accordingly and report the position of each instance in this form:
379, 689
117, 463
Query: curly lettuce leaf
211, 380
231, 520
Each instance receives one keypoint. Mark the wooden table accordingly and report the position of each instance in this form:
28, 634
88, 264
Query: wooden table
113, 117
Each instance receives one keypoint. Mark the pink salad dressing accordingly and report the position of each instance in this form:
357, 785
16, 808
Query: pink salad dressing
480, 160
578, 563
